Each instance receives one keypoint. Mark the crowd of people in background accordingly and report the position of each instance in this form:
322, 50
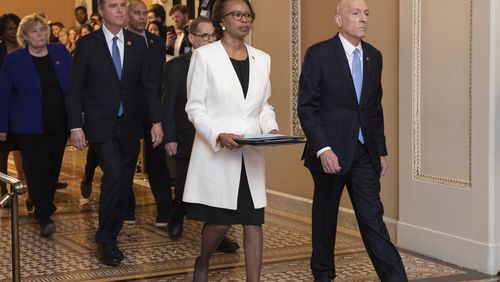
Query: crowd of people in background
190, 90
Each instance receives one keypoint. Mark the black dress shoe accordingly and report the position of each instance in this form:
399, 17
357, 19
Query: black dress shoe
322, 279
86, 188
227, 246
47, 228
118, 253
29, 204
175, 228
61, 185
107, 255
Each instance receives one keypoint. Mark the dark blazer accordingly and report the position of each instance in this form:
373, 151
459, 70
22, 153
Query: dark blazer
3, 52
328, 108
156, 54
96, 91
185, 42
177, 124
20, 89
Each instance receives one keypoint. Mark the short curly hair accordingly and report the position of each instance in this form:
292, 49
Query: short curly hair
219, 11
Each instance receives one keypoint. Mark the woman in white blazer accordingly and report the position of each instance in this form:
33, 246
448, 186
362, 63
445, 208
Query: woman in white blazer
228, 90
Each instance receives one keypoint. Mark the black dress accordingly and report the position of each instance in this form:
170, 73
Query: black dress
245, 212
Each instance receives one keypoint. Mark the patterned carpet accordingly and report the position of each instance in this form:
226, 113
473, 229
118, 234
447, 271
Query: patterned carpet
70, 254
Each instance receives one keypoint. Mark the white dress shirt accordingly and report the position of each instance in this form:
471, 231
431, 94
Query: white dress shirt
349, 52
109, 40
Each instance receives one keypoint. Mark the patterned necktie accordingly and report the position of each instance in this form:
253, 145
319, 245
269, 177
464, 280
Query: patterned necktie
357, 77
115, 53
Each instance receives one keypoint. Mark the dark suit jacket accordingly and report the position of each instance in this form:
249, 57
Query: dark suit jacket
328, 109
178, 127
96, 91
20, 89
3, 52
156, 56
185, 42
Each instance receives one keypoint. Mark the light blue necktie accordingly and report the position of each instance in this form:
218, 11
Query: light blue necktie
145, 39
115, 53
357, 77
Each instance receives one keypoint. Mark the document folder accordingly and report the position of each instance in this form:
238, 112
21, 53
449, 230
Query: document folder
269, 139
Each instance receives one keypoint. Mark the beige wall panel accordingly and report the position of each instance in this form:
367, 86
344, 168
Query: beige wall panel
444, 98
56, 10
271, 33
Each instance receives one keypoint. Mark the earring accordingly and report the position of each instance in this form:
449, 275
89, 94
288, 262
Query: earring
223, 28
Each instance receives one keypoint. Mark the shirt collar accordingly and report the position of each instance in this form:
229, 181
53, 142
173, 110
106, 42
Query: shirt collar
109, 36
348, 47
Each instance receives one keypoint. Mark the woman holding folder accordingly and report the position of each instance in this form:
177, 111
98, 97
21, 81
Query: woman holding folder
228, 91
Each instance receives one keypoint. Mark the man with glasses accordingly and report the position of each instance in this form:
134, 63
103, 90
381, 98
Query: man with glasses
179, 130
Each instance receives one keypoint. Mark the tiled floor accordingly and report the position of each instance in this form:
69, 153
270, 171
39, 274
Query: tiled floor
151, 256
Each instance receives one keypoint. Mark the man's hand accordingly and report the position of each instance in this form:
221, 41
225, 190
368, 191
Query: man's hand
330, 162
3, 136
156, 134
383, 165
78, 138
170, 40
171, 148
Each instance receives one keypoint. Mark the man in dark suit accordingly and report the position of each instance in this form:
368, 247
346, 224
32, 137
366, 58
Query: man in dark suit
340, 111
177, 42
179, 131
109, 77
156, 163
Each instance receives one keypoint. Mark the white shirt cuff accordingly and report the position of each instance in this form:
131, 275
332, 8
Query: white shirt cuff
322, 150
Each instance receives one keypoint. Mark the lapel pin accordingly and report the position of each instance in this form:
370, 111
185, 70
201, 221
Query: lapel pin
57, 62
129, 43
367, 58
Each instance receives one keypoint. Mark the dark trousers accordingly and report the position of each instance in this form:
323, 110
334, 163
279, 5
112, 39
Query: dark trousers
159, 179
117, 159
363, 185
91, 165
179, 210
4, 159
42, 158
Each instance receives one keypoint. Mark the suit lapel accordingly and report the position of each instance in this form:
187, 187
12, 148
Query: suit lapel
252, 68
232, 82
340, 57
367, 69
102, 46
28, 67
127, 51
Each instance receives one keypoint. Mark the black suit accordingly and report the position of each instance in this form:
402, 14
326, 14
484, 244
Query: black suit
178, 127
156, 163
331, 116
184, 44
97, 91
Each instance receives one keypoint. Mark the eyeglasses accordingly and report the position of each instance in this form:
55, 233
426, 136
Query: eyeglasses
238, 15
206, 36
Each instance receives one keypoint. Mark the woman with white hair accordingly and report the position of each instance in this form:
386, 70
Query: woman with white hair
34, 82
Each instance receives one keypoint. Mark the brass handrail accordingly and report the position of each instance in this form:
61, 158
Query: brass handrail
16, 188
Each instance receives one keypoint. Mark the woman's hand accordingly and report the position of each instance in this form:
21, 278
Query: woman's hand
274, 131
226, 140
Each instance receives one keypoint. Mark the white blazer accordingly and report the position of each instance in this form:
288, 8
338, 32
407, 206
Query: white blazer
216, 104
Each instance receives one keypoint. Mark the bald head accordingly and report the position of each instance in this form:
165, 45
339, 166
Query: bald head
352, 19
137, 16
